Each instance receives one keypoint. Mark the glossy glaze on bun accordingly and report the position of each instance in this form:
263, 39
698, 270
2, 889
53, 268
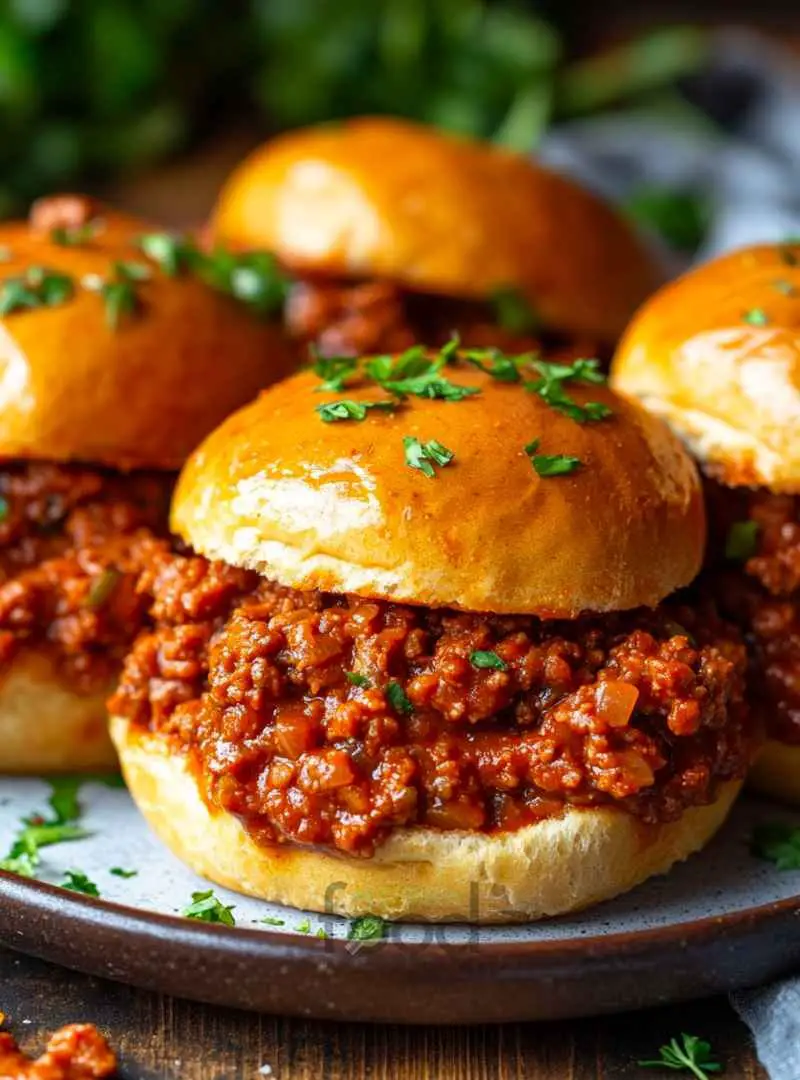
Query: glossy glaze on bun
717, 355
385, 198
555, 866
334, 506
140, 396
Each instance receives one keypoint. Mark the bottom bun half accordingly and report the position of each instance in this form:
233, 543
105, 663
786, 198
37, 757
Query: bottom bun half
47, 727
549, 868
776, 772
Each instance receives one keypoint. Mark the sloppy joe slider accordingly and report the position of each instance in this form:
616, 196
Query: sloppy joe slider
395, 233
717, 354
418, 662
115, 360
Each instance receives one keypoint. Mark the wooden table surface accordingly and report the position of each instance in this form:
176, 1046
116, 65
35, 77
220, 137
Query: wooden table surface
160, 1038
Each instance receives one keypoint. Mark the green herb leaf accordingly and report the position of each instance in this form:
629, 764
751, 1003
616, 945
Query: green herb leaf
304, 927
23, 865
120, 300
355, 679
756, 317
351, 410
484, 658
119, 872
252, 277
397, 698
367, 928
551, 388
77, 881
127, 270
102, 588
172, 253
551, 464
76, 235
424, 456
270, 920
741, 542
493, 362
39, 287
513, 312
778, 843
64, 798
5, 509
418, 374
206, 907
334, 371
691, 1054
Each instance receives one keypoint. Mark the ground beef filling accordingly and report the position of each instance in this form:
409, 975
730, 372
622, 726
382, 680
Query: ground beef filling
331, 720
346, 319
762, 594
72, 542
74, 1052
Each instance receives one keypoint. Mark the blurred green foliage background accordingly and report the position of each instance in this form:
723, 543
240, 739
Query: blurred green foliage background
90, 89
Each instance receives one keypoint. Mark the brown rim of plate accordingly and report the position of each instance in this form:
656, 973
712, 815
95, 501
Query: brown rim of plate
419, 982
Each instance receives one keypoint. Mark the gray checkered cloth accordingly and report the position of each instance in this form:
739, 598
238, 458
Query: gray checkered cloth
741, 149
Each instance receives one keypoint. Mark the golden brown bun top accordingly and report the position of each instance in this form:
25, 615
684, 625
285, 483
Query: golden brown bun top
390, 199
717, 354
141, 395
335, 506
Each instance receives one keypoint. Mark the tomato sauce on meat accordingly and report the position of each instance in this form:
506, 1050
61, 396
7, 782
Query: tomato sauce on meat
74, 1052
331, 720
758, 587
72, 540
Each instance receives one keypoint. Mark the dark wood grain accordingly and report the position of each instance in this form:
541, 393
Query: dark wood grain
164, 1039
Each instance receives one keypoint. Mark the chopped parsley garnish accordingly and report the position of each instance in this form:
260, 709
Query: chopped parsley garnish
102, 587
37, 288
785, 287
270, 920
77, 881
513, 312
252, 277
426, 456
24, 858
127, 270
120, 300
64, 798
120, 872
321, 933
397, 698
741, 542
304, 927
691, 1054
355, 679
367, 928
495, 363
485, 658
778, 843
756, 317
172, 254
347, 409
334, 371
76, 235
417, 373
550, 387
206, 907
551, 464
5, 509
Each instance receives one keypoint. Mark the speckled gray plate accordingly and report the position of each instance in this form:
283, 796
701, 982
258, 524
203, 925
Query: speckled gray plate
722, 920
